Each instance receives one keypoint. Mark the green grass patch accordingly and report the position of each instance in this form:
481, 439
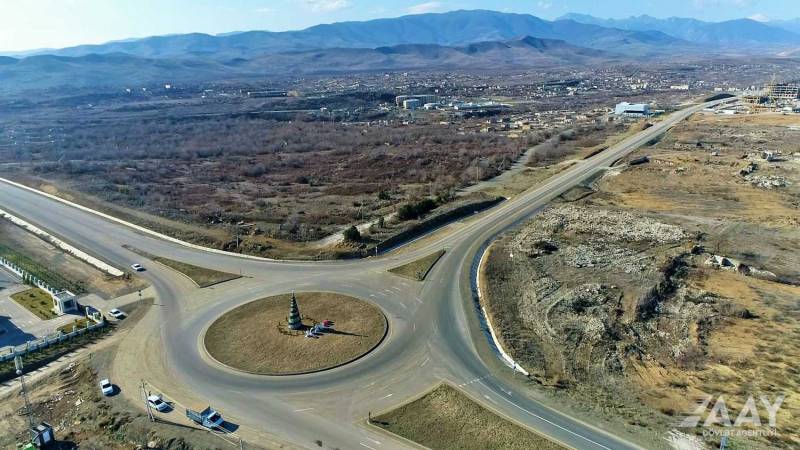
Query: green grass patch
200, 275
81, 323
36, 301
445, 418
419, 269
54, 279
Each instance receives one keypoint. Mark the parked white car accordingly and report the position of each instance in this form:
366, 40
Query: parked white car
117, 314
137, 267
157, 403
106, 387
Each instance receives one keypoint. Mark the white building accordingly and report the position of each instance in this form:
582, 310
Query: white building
626, 109
64, 302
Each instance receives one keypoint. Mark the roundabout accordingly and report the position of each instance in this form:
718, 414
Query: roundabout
332, 330
436, 333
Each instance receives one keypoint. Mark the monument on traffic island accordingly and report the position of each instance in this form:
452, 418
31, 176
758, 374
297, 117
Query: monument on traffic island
295, 322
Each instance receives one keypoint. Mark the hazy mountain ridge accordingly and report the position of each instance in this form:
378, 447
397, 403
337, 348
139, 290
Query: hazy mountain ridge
730, 32
122, 69
447, 29
792, 25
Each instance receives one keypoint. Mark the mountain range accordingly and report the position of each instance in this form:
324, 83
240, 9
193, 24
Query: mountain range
732, 32
122, 69
477, 39
446, 29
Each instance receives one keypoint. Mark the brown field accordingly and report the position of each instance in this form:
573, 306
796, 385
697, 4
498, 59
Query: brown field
254, 337
646, 341
273, 182
444, 418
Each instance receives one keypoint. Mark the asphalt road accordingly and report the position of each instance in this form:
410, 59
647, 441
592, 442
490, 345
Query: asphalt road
434, 332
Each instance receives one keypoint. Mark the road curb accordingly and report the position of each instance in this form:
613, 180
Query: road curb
507, 359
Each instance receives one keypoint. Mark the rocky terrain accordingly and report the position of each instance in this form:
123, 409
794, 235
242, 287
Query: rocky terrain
676, 279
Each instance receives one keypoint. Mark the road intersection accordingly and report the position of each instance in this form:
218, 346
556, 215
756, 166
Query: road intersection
434, 331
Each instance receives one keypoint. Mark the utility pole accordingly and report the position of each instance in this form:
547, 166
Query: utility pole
28, 410
150, 414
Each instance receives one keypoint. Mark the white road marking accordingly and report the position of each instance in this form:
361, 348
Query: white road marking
373, 440
365, 445
403, 305
489, 398
303, 410
550, 422
371, 384
385, 396
424, 362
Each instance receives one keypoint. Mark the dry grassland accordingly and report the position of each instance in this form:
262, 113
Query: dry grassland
255, 338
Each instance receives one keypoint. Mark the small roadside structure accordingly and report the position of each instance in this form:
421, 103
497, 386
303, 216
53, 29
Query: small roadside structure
64, 302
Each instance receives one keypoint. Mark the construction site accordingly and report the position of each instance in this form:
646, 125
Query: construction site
774, 97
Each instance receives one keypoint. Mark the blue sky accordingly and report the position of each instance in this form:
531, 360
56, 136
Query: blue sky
28, 24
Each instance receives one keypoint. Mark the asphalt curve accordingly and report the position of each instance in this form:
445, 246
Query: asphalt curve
434, 334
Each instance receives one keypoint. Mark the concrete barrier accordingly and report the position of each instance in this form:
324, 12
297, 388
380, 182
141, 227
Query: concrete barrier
83, 256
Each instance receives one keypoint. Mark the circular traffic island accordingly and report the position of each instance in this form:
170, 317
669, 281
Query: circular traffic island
271, 337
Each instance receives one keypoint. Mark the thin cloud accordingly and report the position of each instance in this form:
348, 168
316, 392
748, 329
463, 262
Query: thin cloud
326, 5
759, 17
426, 7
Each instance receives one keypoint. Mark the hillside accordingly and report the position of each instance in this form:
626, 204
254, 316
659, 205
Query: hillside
727, 33
447, 29
121, 70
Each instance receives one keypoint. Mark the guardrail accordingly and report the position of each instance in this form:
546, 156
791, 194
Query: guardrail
40, 344
26, 276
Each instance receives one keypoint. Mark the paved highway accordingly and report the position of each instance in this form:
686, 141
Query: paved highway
434, 331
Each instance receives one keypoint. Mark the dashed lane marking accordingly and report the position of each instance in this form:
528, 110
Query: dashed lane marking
549, 421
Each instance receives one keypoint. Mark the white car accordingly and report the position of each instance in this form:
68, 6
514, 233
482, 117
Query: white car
156, 402
137, 267
117, 314
106, 387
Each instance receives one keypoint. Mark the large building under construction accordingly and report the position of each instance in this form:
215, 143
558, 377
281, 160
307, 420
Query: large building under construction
773, 96
782, 91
